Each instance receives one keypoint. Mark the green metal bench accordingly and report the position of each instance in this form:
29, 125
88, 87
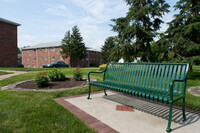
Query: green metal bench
161, 82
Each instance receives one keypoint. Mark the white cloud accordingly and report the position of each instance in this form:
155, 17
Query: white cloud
27, 40
59, 10
100, 11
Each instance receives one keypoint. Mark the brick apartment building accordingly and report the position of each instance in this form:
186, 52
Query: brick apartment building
8, 43
45, 53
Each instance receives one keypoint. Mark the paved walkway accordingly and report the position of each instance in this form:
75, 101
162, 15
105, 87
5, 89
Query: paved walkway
100, 113
10, 75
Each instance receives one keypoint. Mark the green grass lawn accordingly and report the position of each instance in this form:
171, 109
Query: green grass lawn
38, 112
4, 73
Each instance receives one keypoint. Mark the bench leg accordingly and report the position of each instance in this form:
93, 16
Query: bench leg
183, 108
89, 93
105, 92
170, 118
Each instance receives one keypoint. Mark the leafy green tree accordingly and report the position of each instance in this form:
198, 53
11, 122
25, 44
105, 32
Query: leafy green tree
184, 29
106, 49
73, 46
138, 28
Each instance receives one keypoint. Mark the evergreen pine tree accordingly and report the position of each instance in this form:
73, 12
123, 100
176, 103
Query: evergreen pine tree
184, 29
73, 46
106, 49
137, 30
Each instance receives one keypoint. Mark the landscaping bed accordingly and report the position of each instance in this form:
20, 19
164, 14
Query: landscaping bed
52, 85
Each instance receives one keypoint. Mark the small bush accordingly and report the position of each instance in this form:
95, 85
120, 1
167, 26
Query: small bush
56, 76
102, 67
77, 74
41, 79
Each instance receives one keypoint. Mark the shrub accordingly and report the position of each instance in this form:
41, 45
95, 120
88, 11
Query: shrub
102, 67
56, 76
77, 74
41, 79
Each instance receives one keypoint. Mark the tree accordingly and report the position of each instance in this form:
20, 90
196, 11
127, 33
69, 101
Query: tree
184, 29
115, 53
137, 30
73, 46
106, 49
19, 50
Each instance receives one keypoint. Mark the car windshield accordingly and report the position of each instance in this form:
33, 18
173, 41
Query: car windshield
54, 62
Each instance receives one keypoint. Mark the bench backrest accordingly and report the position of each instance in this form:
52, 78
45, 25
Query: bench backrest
155, 76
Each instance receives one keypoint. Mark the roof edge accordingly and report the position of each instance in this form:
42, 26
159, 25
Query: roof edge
8, 21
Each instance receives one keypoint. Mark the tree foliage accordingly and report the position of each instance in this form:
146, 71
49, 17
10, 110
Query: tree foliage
184, 29
106, 49
73, 46
138, 28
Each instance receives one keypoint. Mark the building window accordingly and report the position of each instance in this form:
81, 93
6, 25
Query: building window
61, 49
27, 51
90, 58
29, 54
40, 58
40, 49
45, 57
58, 52
93, 58
40, 66
34, 66
61, 58
53, 58
27, 59
33, 50
45, 49
28, 66
34, 58
52, 49
86, 58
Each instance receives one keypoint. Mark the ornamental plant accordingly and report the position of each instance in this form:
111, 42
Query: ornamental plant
77, 74
41, 79
57, 76
102, 67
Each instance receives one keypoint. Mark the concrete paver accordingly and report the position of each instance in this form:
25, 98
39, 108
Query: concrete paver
147, 117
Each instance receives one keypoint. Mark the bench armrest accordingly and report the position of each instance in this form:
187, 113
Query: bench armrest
93, 72
172, 85
97, 72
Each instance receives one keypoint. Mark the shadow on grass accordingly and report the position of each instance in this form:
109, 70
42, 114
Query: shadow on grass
194, 75
158, 110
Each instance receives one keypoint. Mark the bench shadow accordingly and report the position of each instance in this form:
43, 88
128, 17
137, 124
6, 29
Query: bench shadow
158, 110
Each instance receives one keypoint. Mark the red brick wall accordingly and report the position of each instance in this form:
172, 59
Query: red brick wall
44, 56
8, 45
91, 58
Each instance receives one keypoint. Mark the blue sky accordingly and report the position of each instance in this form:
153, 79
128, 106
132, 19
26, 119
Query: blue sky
48, 20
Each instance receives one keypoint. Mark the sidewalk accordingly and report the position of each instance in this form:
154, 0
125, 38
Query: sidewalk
10, 75
147, 117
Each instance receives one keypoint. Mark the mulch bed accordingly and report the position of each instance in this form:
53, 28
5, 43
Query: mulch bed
53, 85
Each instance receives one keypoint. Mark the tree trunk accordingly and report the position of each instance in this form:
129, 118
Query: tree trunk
162, 57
